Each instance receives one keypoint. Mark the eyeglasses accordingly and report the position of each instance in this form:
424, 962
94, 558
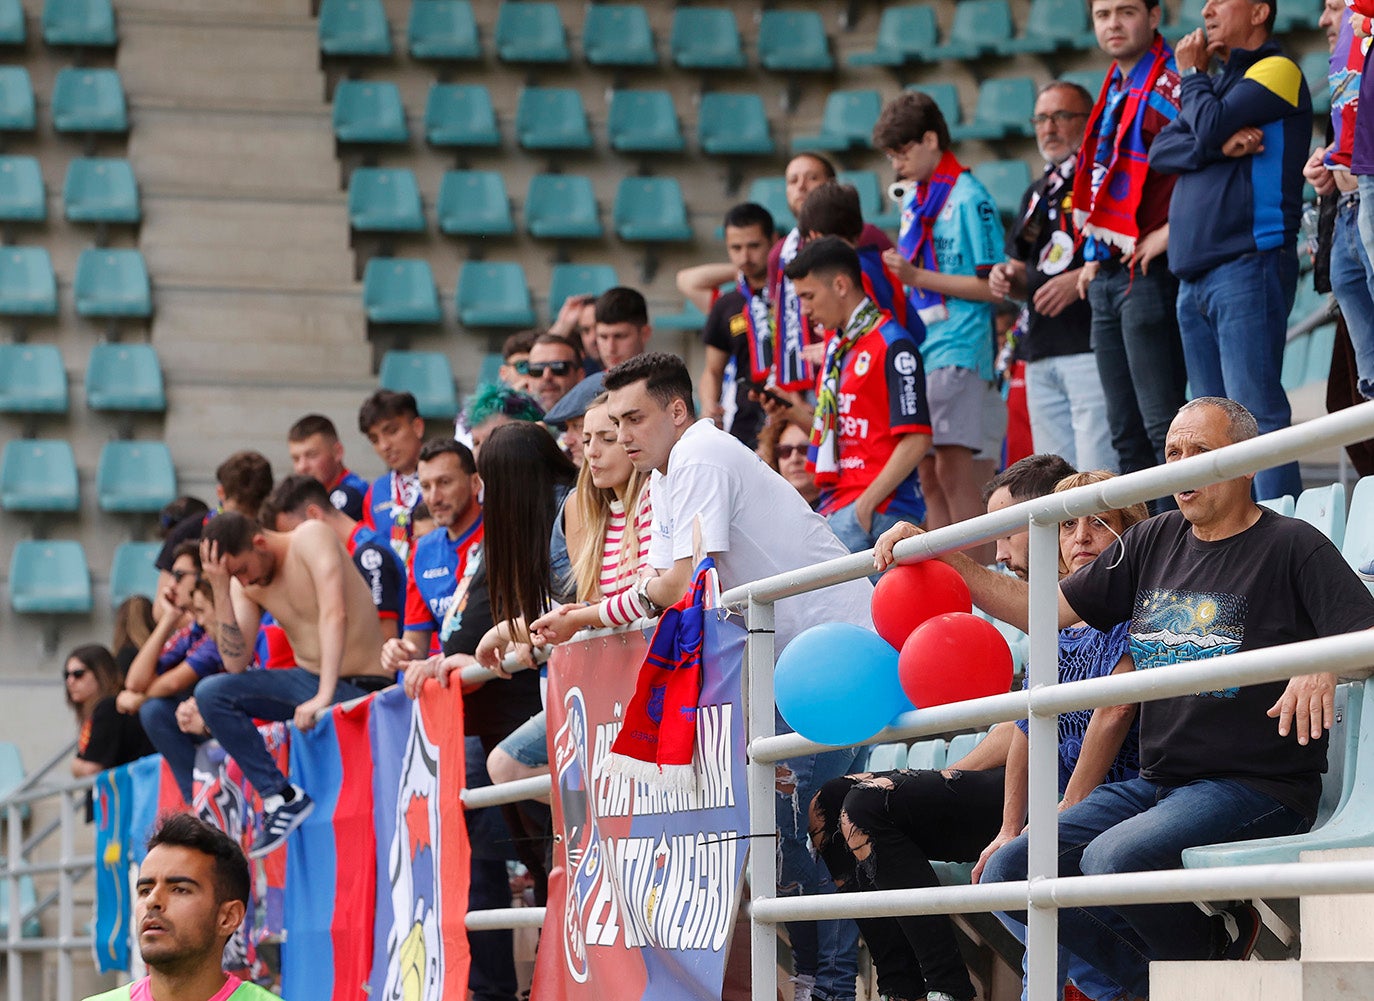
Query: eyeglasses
1060, 118
180, 575
785, 452
556, 367
76, 675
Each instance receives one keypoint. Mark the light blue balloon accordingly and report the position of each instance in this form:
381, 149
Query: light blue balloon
837, 684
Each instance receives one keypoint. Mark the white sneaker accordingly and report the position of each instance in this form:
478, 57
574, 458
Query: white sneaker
802, 986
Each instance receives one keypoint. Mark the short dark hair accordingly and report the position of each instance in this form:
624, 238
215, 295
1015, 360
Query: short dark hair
1149, 4
825, 258
1031, 477
665, 377
294, 493
574, 342
384, 405
191, 548
518, 343
246, 478
311, 425
622, 305
747, 214
436, 447
907, 118
178, 511
232, 532
186, 830
832, 209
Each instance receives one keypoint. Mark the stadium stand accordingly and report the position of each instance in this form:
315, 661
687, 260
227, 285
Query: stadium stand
398, 290
643, 121
135, 477
125, 377
22, 198
427, 375
474, 203
443, 30
618, 35
101, 190
905, 35
460, 115
132, 571
32, 379
50, 576
38, 475
734, 125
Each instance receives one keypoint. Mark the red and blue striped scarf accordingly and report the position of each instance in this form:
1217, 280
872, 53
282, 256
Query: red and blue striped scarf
917, 238
792, 330
759, 319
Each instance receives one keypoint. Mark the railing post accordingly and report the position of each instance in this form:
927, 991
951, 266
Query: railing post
763, 848
14, 958
65, 902
1043, 668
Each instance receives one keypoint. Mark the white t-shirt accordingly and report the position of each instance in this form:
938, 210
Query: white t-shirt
754, 522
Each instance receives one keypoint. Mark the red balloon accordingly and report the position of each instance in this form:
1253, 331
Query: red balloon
909, 595
952, 658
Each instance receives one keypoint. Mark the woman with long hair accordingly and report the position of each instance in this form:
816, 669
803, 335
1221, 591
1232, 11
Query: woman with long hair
133, 624
105, 736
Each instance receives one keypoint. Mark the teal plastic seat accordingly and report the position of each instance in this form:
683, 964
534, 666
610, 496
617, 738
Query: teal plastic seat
977, 29
1052, 25
16, 100
562, 207
1322, 344
961, 744
886, 757
38, 475
905, 35
28, 286
1293, 374
1292, 17
771, 193
443, 30
101, 189
1004, 109
1316, 67
618, 35
426, 374
1006, 181
926, 755
494, 294
123, 376
50, 576
135, 477
474, 203
794, 41
32, 379
1089, 80
946, 98
385, 200
1189, 19
877, 208
111, 282
643, 121
651, 209
530, 32
368, 111
578, 279
354, 28
489, 372
705, 38
12, 29
1358, 546
1280, 505
32, 926
688, 319
460, 114
89, 100
550, 118
400, 290
132, 571
734, 125
1324, 509
88, 23
11, 778
846, 123
22, 198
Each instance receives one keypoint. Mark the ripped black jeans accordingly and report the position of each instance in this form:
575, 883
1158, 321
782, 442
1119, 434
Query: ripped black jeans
879, 832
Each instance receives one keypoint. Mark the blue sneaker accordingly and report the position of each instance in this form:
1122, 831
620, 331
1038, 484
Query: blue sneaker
280, 818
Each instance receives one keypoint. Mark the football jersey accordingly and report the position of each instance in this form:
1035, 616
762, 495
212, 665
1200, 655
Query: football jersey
435, 571
347, 493
383, 571
234, 989
387, 507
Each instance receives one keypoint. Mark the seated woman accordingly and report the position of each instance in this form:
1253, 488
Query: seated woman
881, 831
106, 738
783, 446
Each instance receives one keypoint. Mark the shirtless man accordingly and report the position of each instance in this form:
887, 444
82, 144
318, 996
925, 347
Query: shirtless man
301, 577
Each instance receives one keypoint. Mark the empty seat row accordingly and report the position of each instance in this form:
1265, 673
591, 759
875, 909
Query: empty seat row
908, 35
39, 475
119, 378
53, 577
96, 190
80, 23
109, 283
84, 100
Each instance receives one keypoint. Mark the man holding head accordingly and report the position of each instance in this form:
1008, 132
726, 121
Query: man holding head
316, 451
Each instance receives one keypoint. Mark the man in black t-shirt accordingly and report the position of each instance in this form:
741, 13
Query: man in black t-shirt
1220, 575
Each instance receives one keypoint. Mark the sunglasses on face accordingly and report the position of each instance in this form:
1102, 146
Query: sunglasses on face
77, 675
785, 452
556, 367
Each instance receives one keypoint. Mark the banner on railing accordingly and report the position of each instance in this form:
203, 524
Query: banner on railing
645, 885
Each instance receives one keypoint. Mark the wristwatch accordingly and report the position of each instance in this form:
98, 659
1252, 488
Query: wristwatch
650, 606
1188, 71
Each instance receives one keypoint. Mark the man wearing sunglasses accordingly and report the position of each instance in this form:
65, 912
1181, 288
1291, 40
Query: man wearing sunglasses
555, 366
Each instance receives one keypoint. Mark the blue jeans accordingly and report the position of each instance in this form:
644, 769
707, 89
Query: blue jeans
1234, 322
1365, 183
1350, 280
159, 719
491, 976
1089, 981
1138, 826
847, 529
230, 702
1068, 411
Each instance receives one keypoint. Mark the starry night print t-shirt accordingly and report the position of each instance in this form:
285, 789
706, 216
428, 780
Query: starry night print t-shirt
1279, 581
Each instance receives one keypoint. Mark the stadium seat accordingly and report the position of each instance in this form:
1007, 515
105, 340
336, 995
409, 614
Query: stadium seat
1280, 505
22, 198
1089, 80
101, 190
688, 318
16, 100
551, 118
562, 207
89, 100
618, 35
490, 371
1052, 25
926, 754
32, 379
651, 209
443, 29
1294, 17
530, 32
905, 35
367, 111
733, 125
474, 203
492, 294
11, 776
977, 29
886, 758
125, 377
1004, 109
794, 41
705, 38
426, 374
88, 23
400, 290
12, 29
771, 193
1324, 509
1358, 547
877, 208
1006, 181
460, 114
135, 477
49, 576
1319, 352
38, 475
112, 282
28, 286
1190, 19
1293, 374
354, 28
846, 123
578, 279
132, 571
643, 121
960, 744
946, 98
385, 200
1316, 67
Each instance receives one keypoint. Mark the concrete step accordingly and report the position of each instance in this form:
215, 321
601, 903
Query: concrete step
1287, 981
1335, 928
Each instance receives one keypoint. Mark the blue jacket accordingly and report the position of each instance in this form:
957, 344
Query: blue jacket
1225, 207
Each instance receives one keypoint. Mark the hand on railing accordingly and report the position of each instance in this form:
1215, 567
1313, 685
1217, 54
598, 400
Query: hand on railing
1310, 702
882, 549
